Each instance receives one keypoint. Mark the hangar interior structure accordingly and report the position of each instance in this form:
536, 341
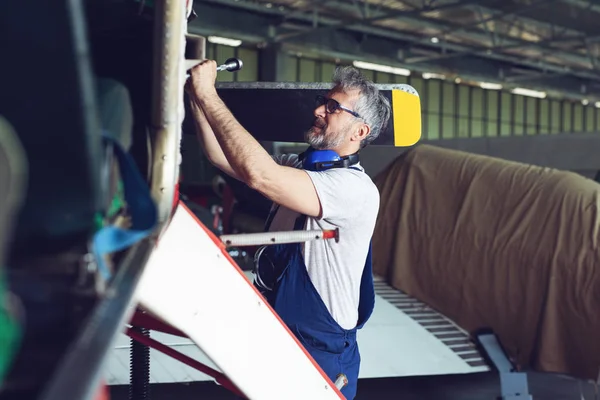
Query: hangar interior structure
517, 80
483, 69
509, 94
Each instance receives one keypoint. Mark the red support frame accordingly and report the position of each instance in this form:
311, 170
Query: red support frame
145, 320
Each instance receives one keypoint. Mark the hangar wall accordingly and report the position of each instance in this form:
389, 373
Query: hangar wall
549, 132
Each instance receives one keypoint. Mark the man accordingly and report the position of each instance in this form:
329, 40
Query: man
325, 288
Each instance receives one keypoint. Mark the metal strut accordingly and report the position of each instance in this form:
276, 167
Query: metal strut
139, 367
513, 384
266, 238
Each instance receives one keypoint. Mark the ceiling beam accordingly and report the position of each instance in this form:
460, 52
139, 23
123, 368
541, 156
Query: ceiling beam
498, 15
476, 34
414, 16
585, 4
407, 37
381, 15
379, 46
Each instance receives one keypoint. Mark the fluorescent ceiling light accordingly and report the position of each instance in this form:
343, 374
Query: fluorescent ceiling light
597, 104
490, 86
529, 93
381, 68
585, 102
433, 75
224, 41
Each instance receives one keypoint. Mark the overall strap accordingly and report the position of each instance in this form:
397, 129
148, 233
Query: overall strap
367, 291
272, 261
270, 217
298, 224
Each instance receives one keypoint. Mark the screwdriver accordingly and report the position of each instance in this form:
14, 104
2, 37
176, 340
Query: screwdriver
231, 65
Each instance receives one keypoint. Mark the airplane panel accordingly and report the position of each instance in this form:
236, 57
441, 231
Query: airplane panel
191, 283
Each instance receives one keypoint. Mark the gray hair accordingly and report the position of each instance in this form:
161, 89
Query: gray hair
372, 106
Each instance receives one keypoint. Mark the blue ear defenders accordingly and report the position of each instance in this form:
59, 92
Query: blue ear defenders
319, 160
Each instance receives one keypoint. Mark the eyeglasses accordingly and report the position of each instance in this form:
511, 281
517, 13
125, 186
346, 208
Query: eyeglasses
332, 105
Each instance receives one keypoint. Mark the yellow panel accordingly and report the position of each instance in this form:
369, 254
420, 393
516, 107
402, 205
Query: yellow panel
578, 120
249, 71
406, 109
589, 119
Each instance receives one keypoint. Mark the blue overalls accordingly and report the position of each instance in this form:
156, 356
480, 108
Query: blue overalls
300, 306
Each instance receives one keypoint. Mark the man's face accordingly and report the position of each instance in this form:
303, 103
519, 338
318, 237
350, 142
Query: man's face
330, 131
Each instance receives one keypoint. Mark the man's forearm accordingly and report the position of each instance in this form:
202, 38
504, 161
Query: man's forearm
209, 142
205, 135
245, 155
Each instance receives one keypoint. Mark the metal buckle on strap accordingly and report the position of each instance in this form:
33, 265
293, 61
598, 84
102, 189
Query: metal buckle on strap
256, 271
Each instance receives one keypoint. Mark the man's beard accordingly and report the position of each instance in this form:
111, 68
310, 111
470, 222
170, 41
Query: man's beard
319, 139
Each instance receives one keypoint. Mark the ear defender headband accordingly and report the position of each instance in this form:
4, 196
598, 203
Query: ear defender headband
320, 160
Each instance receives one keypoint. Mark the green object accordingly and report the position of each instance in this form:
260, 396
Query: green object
10, 332
117, 203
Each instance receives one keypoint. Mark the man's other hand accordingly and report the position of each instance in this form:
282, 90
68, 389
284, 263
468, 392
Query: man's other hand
202, 79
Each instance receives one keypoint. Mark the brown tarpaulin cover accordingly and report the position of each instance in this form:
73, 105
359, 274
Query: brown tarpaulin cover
496, 244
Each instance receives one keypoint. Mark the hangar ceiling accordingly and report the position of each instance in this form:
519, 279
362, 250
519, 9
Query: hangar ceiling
545, 45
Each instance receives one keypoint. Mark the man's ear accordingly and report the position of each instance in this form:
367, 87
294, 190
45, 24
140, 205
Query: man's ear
362, 132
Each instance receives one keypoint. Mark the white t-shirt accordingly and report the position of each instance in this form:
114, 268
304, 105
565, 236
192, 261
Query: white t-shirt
350, 202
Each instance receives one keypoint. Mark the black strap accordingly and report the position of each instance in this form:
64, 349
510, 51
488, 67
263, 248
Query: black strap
298, 225
270, 217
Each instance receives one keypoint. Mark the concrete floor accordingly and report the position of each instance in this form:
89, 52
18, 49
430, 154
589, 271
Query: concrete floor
477, 386
403, 338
